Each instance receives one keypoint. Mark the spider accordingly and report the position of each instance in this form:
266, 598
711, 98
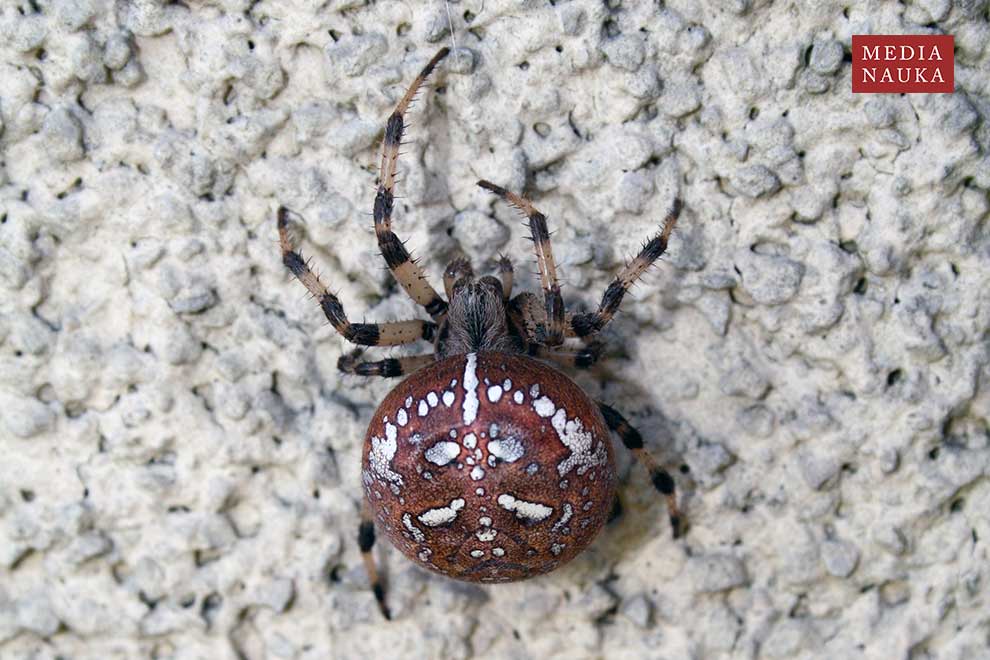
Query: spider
485, 464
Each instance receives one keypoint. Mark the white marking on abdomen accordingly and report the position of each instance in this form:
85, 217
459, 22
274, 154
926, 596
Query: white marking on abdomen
579, 441
415, 531
544, 407
494, 393
508, 449
523, 509
566, 516
442, 452
486, 535
470, 405
441, 515
381, 455
448, 398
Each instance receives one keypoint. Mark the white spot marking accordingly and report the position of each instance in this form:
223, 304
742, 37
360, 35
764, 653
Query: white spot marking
477, 553
557, 547
523, 509
415, 531
485, 521
580, 442
477, 473
424, 554
442, 515
494, 393
423, 408
544, 407
493, 430
479, 491
470, 441
486, 535
518, 397
448, 398
442, 452
534, 391
401, 417
564, 518
509, 449
506, 384
381, 455
498, 552
408, 402
470, 405
432, 399
532, 469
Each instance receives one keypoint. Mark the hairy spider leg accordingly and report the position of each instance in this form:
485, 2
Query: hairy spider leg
456, 269
583, 325
583, 357
526, 314
366, 541
553, 330
406, 271
660, 478
505, 273
364, 334
387, 368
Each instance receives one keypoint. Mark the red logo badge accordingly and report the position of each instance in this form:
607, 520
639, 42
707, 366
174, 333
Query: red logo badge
902, 63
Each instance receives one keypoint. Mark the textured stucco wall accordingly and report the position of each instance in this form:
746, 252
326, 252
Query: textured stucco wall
179, 458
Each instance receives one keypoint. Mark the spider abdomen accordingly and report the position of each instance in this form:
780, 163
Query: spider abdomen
489, 467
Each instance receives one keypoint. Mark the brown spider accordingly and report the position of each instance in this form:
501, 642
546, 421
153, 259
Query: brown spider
485, 464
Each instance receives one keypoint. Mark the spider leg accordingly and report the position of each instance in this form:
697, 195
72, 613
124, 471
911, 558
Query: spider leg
526, 316
387, 368
583, 325
406, 271
582, 358
365, 334
455, 270
552, 299
661, 479
366, 541
505, 274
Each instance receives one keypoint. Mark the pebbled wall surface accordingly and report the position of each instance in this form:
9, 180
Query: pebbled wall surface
179, 458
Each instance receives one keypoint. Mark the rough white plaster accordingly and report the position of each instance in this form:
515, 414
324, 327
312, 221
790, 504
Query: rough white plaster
179, 458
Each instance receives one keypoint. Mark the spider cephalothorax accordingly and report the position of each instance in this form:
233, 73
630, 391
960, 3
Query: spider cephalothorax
486, 464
